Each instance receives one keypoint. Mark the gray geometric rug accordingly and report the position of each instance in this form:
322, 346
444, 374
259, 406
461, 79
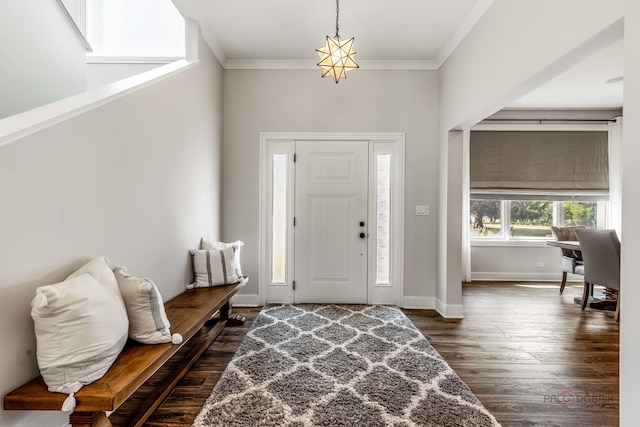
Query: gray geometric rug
339, 365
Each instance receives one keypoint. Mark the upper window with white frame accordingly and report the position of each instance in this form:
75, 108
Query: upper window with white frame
134, 31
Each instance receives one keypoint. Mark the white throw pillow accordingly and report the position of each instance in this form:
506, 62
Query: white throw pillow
148, 323
99, 268
214, 267
205, 244
81, 327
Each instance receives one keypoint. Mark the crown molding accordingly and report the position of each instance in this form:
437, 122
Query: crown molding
426, 64
467, 24
270, 64
74, 25
212, 42
305, 64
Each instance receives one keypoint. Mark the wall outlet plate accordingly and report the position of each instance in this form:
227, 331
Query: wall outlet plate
422, 210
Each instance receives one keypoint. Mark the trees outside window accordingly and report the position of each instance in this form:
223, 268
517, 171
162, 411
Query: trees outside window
486, 218
528, 219
580, 213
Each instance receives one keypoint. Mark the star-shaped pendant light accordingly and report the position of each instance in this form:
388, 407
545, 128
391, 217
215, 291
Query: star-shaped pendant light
337, 56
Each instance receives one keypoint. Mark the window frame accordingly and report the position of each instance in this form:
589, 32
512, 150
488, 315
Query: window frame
602, 214
92, 58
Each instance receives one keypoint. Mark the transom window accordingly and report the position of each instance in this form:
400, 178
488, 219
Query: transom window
128, 29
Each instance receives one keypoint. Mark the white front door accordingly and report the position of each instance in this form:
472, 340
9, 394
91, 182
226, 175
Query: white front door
331, 222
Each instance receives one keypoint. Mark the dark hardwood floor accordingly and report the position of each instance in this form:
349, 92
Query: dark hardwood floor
529, 354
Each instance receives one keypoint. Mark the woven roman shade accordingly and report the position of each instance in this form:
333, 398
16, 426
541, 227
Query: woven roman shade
539, 165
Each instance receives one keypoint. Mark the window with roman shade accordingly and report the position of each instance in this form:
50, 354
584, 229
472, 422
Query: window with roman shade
539, 165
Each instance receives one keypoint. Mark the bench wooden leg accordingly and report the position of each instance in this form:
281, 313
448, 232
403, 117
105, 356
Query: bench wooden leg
224, 311
89, 419
232, 319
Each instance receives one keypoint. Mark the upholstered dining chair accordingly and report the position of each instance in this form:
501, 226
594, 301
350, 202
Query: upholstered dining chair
601, 255
571, 260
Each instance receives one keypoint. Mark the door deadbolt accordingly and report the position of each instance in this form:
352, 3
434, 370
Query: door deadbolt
361, 223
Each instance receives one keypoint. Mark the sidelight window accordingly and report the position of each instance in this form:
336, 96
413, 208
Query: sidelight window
279, 218
383, 217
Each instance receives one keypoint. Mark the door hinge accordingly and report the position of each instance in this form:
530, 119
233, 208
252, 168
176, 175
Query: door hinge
294, 221
295, 156
294, 285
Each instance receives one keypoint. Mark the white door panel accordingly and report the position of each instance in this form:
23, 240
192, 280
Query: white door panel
330, 203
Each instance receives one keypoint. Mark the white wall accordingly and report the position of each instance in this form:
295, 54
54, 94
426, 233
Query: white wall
42, 57
515, 263
99, 74
302, 101
136, 179
630, 252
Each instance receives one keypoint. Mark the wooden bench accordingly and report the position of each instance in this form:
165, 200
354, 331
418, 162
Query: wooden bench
188, 313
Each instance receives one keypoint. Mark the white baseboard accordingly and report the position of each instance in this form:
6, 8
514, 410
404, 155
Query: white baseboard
246, 300
410, 302
427, 303
521, 277
450, 311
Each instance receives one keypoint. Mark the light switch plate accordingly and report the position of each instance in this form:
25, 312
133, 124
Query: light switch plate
422, 210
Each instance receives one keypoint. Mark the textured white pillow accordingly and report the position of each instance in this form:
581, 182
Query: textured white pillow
205, 244
148, 321
81, 327
214, 267
98, 268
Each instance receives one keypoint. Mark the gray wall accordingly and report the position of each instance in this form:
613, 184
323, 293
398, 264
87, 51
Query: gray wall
42, 59
136, 179
630, 252
301, 101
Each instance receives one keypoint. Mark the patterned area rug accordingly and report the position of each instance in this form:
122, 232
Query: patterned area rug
339, 365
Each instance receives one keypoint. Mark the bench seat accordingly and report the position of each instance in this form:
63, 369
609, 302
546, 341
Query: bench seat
187, 313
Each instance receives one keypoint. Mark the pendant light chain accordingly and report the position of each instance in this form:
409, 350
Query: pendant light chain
337, 17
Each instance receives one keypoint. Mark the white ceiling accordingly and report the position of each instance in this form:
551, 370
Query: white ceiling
585, 86
389, 34
290, 30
